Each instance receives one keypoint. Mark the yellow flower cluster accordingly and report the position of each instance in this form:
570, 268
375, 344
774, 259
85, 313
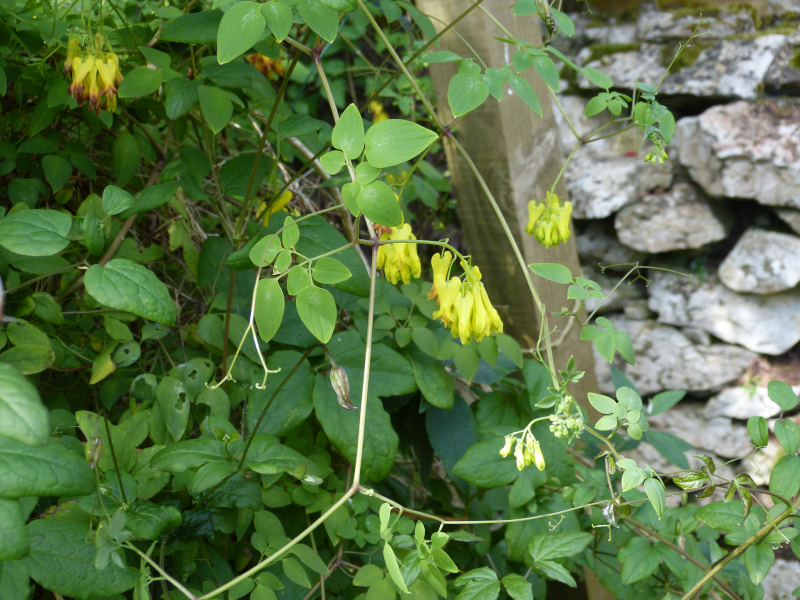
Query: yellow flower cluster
399, 261
549, 221
376, 108
95, 75
267, 210
527, 452
464, 306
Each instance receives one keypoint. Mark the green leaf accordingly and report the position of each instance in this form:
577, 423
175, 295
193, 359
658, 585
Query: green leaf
181, 96
656, 494
632, 478
294, 402
552, 272
150, 521
555, 571
467, 361
126, 158
379, 204
323, 20
62, 560
547, 70
268, 307
599, 79
348, 133
670, 447
124, 285
451, 432
188, 454
779, 392
758, 429
57, 171
625, 347
479, 584
329, 271
433, 380
242, 25
510, 348
14, 581
483, 467
317, 310
193, 28
758, 559
663, 401
465, 93
216, 107
172, 399
139, 82
639, 560
116, 200
606, 423
788, 435
341, 427
28, 359
722, 516
393, 567
279, 19
23, 417
341, 5
394, 141
547, 546
265, 250
518, 587
36, 232
595, 106
603, 404
333, 161
210, 475
525, 92
13, 537
57, 473
368, 575
785, 477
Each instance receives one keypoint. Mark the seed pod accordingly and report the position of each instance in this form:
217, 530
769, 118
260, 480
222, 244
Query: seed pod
93, 451
341, 386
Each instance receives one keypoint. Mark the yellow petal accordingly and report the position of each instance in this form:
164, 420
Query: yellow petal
464, 305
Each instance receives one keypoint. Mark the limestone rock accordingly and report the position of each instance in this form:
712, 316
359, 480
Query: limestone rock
744, 150
782, 579
762, 262
764, 324
719, 435
679, 219
783, 75
780, 8
598, 187
791, 217
658, 26
724, 69
667, 360
597, 245
742, 403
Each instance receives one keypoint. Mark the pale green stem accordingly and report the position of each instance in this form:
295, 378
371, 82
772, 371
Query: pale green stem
163, 573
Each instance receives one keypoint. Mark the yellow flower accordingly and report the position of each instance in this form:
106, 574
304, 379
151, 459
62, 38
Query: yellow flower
538, 457
549, 221
399, 261
376, 108
274, 207
464, 306
72, 47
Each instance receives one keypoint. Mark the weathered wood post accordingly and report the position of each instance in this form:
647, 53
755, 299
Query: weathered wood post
517, 153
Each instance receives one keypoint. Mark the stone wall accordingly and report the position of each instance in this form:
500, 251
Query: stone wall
724, 209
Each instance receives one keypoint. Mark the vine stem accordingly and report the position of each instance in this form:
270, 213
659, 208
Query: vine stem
354, 488
162, 572
717, 567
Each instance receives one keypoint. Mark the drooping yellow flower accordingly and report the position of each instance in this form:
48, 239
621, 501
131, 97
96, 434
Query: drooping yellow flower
548, 221
274, 207
464, 306
399, 261
95, 74
271, 68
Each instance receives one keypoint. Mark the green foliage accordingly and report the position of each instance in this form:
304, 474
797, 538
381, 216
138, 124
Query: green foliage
167, 411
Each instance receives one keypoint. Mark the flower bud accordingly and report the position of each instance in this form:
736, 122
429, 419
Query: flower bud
341, 385
519, 454
538, 457
506, 450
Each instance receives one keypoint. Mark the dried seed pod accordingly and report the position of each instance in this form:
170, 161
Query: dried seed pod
341, 386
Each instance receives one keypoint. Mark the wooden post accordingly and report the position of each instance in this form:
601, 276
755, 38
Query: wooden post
517, 153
